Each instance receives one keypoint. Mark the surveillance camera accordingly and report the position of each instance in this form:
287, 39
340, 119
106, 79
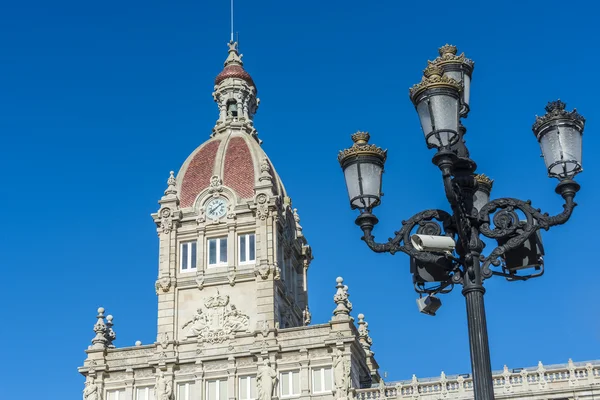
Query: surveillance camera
439, 244
429, 304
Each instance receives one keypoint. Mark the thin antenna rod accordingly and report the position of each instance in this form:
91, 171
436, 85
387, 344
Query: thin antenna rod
232, 20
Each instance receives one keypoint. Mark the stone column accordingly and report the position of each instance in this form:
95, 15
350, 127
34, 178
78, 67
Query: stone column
129, 385
231, 375
304, 373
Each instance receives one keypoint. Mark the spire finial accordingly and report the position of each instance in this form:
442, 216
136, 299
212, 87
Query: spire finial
343, 305
171, 191
99, 341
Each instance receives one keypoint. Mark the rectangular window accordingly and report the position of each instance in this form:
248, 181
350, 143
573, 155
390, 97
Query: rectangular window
118, 394
185, 391
247, 388
216, 389
187, 259
144, 393
247, 248
289, 383
322, 380
217, 251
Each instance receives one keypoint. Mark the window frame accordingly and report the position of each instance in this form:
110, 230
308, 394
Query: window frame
191, 260
117, 392
218, 387
147, 394
322, 372
188, 389
248, 385
219, 263
290, 374
246, 248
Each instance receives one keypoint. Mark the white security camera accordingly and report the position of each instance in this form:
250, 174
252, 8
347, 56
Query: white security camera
429, 304
438, 244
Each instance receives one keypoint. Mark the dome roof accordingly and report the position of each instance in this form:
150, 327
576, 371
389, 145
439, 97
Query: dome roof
234, 158
234, 67
234, 71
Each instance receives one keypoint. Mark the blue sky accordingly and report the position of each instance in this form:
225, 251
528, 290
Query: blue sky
99, 100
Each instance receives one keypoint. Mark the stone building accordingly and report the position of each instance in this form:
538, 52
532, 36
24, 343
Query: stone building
232, 286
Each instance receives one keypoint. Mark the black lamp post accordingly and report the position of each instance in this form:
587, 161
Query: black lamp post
446, 248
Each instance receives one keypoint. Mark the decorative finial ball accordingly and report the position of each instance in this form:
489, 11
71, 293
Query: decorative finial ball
172, 172
109, 318
361, 316
339, 279
138, 343
100, 310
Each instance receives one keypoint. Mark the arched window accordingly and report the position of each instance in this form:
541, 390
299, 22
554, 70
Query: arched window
232, 108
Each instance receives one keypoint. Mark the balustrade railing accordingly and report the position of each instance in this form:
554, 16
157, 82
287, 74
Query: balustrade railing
507, 383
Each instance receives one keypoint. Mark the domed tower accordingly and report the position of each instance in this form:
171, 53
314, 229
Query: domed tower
232, 256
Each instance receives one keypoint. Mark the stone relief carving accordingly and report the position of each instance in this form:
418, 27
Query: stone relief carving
163, 340
166, 221
163, 388
262, 270
231, 278
215, 184
200, 280
201, 216
266, 380
143, 373
341, 375
218, 321
245, 362
116, 376
90, 392
215, 365
163, 284
262, 206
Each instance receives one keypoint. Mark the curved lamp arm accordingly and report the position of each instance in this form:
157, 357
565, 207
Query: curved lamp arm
401, 242
507, 224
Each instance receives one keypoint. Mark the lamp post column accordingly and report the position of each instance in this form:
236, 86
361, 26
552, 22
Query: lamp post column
473, 290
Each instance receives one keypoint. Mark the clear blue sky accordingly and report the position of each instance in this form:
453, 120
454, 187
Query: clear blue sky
99, 100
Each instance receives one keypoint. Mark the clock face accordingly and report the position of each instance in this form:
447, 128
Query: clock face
216, 208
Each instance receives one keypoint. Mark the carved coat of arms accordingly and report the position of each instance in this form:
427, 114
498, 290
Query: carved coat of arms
217, 321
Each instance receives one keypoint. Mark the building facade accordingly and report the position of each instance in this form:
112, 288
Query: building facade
233, 320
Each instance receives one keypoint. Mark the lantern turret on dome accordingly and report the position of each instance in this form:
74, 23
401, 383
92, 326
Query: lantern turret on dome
235, 93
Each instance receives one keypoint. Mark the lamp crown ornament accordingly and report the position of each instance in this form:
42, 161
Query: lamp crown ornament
556, 110
433, 77
483, 179
447, 49
361, 147
448, 55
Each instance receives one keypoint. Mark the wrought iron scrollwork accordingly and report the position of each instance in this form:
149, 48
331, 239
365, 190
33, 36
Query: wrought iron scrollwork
427, 225
508, 225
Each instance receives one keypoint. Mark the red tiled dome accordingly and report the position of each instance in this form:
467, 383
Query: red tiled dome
198, 173
234, 71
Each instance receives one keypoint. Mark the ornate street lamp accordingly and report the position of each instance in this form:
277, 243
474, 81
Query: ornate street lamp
445, 249
363, 168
